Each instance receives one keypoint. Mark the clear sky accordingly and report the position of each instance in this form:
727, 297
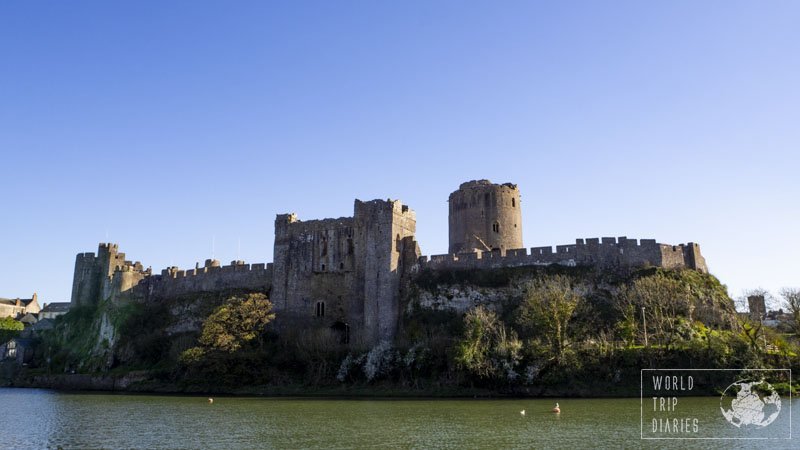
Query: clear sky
164, 126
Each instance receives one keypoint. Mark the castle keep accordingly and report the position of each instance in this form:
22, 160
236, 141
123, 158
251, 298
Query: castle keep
345, 273
485, 217
349, 274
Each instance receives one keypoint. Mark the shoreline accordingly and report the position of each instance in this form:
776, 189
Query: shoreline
136, 384
326, 396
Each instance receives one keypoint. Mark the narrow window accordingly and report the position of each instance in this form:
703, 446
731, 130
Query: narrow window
341, 266
323, 267
496, 227
513, 202
320, 309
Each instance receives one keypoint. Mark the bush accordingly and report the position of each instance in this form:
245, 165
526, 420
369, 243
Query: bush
9, 329
487, 349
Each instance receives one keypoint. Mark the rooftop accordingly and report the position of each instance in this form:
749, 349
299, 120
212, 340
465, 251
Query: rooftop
57, 307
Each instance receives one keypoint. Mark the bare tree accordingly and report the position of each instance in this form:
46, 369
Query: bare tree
791, 302
665, 302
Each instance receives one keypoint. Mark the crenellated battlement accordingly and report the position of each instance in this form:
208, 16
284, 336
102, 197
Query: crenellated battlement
602, 252
109, 276
212, 267
174, 282
384, 211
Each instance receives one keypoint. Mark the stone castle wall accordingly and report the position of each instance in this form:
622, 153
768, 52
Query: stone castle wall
608, 252
93, 276
108, 276
349, 274
386, 233
344, 273
212, 277
314, 262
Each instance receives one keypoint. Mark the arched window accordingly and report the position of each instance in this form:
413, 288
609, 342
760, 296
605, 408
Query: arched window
496, 227
513, 202
319, 311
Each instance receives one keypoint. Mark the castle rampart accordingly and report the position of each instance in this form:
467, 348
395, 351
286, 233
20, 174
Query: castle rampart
607, 252
109, 276
212, 277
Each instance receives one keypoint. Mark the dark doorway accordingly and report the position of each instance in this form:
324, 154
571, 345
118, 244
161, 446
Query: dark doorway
343, 331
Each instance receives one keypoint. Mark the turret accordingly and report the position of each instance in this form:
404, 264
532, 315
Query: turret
92, 277
485, 216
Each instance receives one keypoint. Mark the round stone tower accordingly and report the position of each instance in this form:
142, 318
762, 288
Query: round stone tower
485, 216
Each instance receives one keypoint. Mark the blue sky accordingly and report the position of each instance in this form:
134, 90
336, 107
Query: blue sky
165, 125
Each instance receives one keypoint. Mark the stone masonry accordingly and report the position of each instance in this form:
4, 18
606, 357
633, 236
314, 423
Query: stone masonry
349, 274
485, 217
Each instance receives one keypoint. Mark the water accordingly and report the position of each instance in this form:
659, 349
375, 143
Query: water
34, 418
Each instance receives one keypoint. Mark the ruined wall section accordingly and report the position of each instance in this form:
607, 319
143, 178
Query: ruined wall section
94, 280
484, 216
693, 257
607, 252
304, 249
314, 261
125, 284
385, 239
212, 277
109, 276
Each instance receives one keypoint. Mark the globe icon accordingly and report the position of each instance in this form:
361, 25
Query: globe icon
750, 403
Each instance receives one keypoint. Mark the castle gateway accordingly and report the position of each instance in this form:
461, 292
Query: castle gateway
349, 274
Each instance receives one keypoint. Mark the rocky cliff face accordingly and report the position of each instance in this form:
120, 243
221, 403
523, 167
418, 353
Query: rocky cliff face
502, 289
109, 334
461, 298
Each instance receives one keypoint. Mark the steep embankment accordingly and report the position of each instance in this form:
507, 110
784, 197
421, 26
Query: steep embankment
572, 331
514, 331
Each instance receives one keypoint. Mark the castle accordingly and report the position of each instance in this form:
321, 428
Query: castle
350, 274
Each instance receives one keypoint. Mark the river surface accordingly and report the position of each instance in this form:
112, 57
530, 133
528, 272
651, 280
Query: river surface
34, 418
